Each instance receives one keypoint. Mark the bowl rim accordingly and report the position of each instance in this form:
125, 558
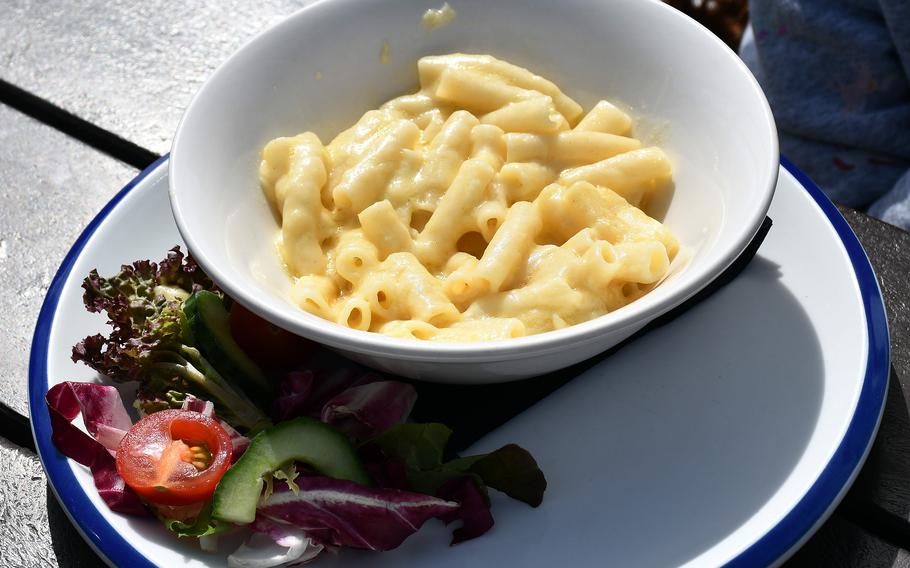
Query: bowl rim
629, 317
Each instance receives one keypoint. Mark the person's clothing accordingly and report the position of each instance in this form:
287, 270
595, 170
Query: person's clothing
837, 76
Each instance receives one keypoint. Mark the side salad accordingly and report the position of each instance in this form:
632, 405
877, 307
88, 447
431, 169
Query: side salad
243, 426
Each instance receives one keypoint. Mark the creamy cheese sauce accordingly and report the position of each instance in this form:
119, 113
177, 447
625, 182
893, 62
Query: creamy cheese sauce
442, 16
487, 205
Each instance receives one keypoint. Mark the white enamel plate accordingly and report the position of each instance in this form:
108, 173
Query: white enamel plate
724, 437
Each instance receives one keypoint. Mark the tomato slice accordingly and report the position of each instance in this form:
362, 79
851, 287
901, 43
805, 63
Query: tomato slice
174, 457
271, 347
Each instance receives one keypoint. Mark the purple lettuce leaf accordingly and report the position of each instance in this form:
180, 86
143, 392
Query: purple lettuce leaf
335, 512
150, 341
332, 381
239, 442
111, 487
140, 314
109, 437
274, 543
360, 404
293, 392
391, 473
101, 407
306, 392
262, 551
366, 410
181, 271
204, 407
474, 509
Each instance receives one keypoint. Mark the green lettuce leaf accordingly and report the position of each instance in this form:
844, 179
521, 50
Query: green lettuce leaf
429, 482
510, 469
421, 446
202, 525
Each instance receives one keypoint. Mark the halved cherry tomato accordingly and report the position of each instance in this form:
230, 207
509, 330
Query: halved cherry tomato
174, 457
271, 347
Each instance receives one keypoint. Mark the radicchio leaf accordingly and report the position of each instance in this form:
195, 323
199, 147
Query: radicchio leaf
305, 393
293, 393
109, 437
474, 511
274, 544
343, 513
239, 442
101, 407
359, 403
390, 472
366, 410
331, 381
111, 488
193, 404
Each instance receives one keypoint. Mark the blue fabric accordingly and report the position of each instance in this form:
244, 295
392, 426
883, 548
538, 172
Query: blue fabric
837, 75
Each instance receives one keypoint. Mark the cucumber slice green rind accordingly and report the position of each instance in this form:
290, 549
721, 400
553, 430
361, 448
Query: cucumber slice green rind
306, 440
208, 322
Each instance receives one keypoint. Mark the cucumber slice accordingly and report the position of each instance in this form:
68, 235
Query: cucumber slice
208, 322
306, 440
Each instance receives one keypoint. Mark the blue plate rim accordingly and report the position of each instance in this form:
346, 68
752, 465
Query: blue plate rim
827, 491
775, 545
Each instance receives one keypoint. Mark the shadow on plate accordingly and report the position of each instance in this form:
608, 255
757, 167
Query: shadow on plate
664, 449
685, 436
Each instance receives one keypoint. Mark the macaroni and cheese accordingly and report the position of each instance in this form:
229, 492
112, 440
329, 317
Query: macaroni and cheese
485, 206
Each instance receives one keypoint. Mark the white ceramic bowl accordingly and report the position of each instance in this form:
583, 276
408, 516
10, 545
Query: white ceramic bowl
320, 70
